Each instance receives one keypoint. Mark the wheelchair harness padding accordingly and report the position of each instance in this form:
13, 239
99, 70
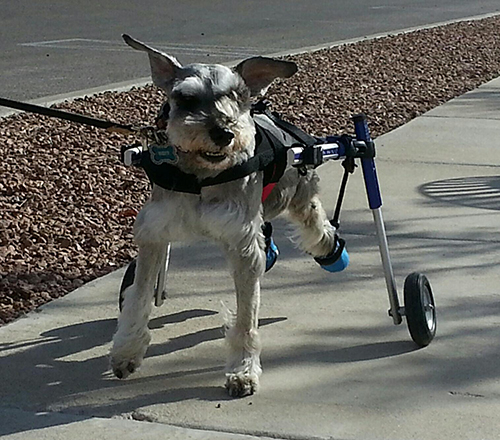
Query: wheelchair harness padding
273, 138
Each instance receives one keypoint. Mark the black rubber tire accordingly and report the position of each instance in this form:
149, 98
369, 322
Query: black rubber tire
127, 281
420, 309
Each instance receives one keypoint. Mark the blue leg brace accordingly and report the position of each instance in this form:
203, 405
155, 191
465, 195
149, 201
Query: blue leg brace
271, 249
337, 260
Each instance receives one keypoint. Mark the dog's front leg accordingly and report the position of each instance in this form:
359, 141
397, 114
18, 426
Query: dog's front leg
243, 364
132, 337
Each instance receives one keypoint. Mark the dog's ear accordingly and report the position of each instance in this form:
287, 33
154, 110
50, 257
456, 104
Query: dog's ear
164, 68
259, 72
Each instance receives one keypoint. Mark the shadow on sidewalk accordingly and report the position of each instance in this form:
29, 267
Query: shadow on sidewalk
476, 192
51, 373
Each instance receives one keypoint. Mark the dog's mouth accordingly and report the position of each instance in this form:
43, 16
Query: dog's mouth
213, 157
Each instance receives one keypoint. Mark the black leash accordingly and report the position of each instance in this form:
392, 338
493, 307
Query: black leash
73, 117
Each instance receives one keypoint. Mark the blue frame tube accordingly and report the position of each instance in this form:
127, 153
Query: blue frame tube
368, 165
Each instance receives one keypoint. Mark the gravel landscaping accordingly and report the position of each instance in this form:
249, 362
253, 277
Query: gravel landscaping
67, 204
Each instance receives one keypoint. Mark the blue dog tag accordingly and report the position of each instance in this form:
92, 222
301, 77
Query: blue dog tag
163, 154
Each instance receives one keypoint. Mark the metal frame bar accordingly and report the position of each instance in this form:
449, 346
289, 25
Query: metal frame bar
390, 281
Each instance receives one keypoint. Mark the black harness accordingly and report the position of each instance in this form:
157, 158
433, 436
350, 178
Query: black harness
273, 138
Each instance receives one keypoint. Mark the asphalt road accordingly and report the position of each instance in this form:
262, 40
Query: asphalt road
63, 46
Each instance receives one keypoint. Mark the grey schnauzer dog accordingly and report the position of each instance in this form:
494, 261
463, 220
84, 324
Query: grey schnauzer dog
211, 128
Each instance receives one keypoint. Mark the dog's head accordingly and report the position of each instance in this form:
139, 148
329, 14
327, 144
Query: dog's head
209, 105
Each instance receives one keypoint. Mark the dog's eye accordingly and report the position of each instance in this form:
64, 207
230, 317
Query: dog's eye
187, 103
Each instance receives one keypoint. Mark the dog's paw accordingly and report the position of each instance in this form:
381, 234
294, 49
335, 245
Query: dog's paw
242, 384
123, 369
127, 353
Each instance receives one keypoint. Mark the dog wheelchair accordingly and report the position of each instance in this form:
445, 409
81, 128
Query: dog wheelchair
419, 307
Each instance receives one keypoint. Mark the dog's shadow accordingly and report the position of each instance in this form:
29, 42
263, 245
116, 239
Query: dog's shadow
195, 338
66, 366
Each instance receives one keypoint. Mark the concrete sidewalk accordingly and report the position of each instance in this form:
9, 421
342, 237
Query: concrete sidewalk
334, 365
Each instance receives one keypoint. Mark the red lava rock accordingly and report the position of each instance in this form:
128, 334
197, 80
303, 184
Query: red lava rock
130, 212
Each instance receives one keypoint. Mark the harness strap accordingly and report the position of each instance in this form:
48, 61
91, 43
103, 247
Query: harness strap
266, 191
270, 157
294, 131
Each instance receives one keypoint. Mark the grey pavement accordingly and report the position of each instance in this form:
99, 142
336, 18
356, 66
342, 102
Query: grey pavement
334, 364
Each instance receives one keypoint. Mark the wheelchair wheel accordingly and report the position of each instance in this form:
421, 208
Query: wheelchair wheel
127, 281
420, 310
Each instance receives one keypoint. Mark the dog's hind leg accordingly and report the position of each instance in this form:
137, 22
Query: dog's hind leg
132, 337
316, 234
243, 367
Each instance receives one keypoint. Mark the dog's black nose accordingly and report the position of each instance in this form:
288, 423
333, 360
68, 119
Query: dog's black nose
221, 137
